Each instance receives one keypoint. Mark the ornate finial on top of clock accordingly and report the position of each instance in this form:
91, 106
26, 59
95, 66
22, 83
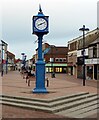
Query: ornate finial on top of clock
40, 10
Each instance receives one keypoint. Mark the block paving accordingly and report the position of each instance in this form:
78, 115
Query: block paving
13, 84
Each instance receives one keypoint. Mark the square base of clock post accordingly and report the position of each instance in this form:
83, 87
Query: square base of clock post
38, 90
40, 78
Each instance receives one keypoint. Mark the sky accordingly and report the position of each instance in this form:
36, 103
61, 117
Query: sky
65, 19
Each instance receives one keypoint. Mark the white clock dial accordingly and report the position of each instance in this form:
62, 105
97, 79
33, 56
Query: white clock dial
40, 24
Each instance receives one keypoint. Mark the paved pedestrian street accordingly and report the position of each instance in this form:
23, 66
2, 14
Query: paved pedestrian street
66, 97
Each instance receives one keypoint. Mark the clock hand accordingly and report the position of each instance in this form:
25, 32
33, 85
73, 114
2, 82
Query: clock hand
41, 23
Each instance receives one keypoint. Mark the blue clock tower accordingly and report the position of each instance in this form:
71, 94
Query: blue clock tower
40, 28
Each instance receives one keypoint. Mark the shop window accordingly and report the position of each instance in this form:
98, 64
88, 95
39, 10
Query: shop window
47, 69
64, 70
58, 69
50, 69
97, 72
89, 72
69, 70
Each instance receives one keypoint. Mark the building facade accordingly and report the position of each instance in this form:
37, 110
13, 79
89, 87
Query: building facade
55, 58
75, 55
72, 57
10, 61
89, 38
92, 62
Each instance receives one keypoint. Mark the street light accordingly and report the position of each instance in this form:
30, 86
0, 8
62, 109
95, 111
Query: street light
6, 62
3, 44
23, 60
2, 59
52, 61
83, 29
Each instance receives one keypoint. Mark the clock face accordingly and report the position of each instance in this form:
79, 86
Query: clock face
41, 24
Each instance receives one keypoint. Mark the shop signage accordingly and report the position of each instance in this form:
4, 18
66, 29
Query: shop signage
92, 61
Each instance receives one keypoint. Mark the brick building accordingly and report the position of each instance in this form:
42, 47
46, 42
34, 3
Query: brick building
11, 61
18, 63
55, 58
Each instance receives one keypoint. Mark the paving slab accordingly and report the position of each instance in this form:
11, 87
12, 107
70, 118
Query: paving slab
13, 84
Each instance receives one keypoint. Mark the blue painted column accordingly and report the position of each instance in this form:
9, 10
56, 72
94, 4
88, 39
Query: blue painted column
40, 37
40, 70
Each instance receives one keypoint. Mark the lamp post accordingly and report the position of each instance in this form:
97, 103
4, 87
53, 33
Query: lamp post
6, 62
83, 29
2, 60
52, 61
23, 60
3, 44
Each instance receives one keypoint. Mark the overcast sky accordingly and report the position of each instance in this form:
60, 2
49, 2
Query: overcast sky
65, 19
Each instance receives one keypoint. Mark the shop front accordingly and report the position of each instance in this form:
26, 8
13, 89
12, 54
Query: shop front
89, 72
57, 68
70, 68
80, 67
92, 68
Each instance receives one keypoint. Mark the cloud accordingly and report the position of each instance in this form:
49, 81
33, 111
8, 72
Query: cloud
65, 19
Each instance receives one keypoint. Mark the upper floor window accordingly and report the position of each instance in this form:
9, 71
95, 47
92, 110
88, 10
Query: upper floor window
56, 59
94, 51
64, 59
60, 59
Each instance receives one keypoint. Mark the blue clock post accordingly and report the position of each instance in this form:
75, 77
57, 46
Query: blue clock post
40, 28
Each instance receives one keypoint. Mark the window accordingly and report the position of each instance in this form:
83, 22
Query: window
90, 52
50, 69
94, 51
56, 59
64, 59
47, 69
58, 69
89, 72
61, 60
